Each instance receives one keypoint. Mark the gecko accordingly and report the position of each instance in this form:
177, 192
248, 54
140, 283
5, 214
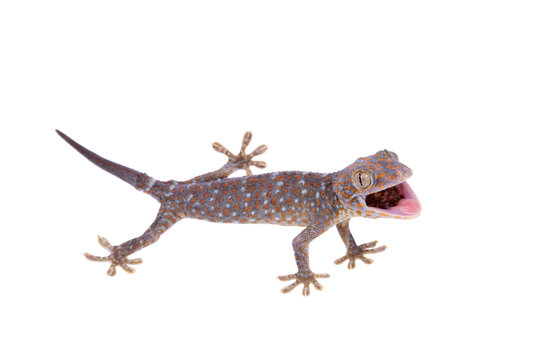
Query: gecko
372, 187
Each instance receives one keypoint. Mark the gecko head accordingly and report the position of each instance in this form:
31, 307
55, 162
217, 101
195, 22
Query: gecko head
375, 186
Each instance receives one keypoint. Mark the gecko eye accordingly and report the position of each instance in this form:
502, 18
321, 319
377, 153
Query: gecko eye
362, 179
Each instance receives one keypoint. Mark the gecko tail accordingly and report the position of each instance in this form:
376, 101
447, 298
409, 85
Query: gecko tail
139, 180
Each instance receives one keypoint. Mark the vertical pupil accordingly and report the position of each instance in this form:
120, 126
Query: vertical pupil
364, 180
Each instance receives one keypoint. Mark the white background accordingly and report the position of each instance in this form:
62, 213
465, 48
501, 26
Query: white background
452, 87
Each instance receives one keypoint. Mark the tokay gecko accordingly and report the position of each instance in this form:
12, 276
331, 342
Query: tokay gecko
374, 187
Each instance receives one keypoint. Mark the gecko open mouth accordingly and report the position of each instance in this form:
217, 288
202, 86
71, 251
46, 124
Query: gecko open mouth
396, 200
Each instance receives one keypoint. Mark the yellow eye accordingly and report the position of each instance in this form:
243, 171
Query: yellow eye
362, 179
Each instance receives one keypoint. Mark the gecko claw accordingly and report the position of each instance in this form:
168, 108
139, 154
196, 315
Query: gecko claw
358, 253
115, 259
310, 278
243, 160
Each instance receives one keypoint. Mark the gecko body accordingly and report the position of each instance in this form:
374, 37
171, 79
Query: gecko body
373, 187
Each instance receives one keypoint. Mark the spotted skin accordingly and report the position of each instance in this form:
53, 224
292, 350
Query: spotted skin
315, 201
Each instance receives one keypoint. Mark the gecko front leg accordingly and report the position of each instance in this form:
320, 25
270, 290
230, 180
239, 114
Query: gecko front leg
301, 254
355, 251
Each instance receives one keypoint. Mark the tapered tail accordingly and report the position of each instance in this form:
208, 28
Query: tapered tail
139, 180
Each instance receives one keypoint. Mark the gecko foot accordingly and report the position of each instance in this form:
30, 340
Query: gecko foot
358, 252
243, 160
305, 279
115, 259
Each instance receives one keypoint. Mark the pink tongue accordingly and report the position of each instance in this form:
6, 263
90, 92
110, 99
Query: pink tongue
407, 206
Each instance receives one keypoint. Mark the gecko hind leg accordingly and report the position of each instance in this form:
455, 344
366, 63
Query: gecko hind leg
118, 257
115, 259
243, 160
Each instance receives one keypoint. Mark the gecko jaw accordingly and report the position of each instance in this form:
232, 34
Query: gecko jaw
403, 201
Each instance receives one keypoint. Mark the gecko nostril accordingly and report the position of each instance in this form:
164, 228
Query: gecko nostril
393, 155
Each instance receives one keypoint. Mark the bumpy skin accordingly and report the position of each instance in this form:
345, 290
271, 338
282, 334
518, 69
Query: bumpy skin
312, 200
